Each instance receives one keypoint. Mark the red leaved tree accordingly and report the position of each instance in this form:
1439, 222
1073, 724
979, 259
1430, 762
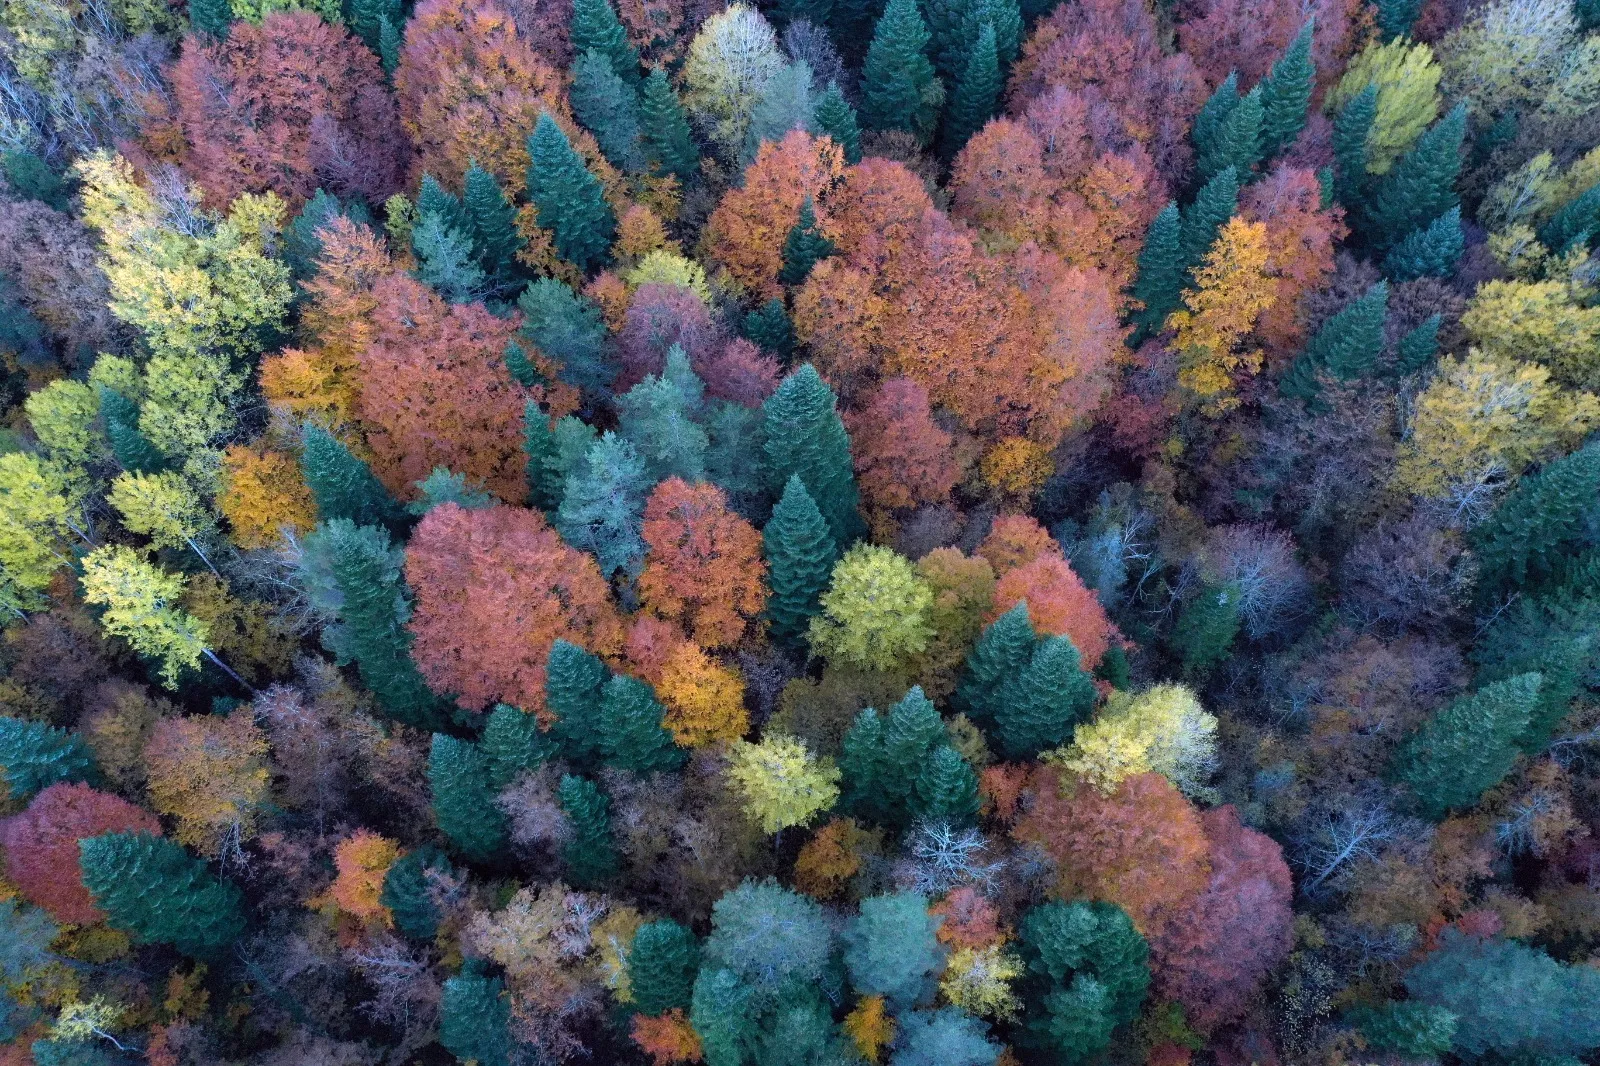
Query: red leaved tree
659, 316
41, 845
703, 568
1059, 603
1249, 35
902, 457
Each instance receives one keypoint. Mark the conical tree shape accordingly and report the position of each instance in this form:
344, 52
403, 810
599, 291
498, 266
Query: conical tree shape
800, 551
1216, 202
512, 743
1418, 347
157, 893
946, 47
1578, 220
344, 486
836, 118
1205, 629
805, 436
898, 88
1004, 649
884, 756
608, 107
1006, 18
663, 129
390, 40
132, 449
408, 892
946, 789
1467, 748
911, 730
1430, 252
1348, 343
804, 247
1210, 119
976, 94
521, 367
493, 221
1545, 520
211, 17
863, 769
34, 756
768, 328
589, 853
573, 683
1421, 186
1351, 128
475, 1019
366, 19
539, 445
1235, 140
434, 199
595, 27
1039, 707
1396, 17
463, 804
1161, 271
662, 964
631, 737
1286, 94
571, 203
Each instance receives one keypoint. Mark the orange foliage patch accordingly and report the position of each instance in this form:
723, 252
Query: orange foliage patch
704, 699
747, 230
667, 1038
703, 568
263, 494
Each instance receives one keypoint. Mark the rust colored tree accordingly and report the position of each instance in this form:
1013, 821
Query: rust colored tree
1248, 37
41, 845
902, 457
1301, 235
1059, 604
703, 568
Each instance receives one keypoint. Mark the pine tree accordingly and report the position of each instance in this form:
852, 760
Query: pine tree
1205, 628
408, 891
898, 88
836, 118
1467, 748
34, 756
1351, 127
131, 448
366, 19
1199, 223
800, 551
1004, 649
976, 94
1227, 131
1417, 348
589, 853
595, 27
1544, 521
805, 437
157, 893
602, 505
668, 142
804, 247
493, 221
573, 683
570, 200
946, 789
1286, 94
513, 743
463, 804
1432, 251
1037, 708
1420, 187
1578, 220
211, 17
768, 328
631, 736
1159, 286
662, 964
609, 108
475, 1019
344, 486
1396, 17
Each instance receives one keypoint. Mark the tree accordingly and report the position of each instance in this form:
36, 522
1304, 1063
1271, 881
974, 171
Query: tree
1406, 81
976, 93
596, 28
1409, 1028
1087, 973
570, 200
362, 860
138, 600
155, 892
890, 949
902, 456
780, 782
1003, 651
211, 17
730, 63
1539, 321
463, 804
1231, 290
874, 612
492, 221
1200, 223
659, 416
41, 844
602, 509
574, 683
1059, 604
567, 329
946, 789
787, 103
803, 247
1227, 131
1351, 128
703, 567
609, 107
944, 1037
1422, 185
512, 744
1286, 94
1467, 748
632, 736
343, 485
662, 963
1541, 524
836, 118
1159, 286
704, 699
885, 756
806, 438
34, 756
766, 936
264, 495
663, 129
1345, 347
1205, 629
163, 507
761, 231
475, 1019
209, 774
132, 449
589, 853
768, 328
899, 90
1037, 708
408, 891
800, 552
1432, 251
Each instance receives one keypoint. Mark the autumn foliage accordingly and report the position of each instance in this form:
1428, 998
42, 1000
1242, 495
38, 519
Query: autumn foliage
703, 568
747, 231
40, 845
264, 494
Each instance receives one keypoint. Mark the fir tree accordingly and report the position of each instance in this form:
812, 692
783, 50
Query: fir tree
445, 260
34, 756
1351, 128
1087, 972
1548, 518
595, 27
131, 448
946, 47
1557, 635
602, 507
735, 434
1006, 18
663, 129
367, 16
463, 804
1432, 251
570, 200
816, 12
1159, 286
1420, 187
662, 964
1004, 649
946, 789
211, 17
800, 551
1216, 202
589, 853
806, 437
1286, 94
157, 893
408, 891
1410, 1029
344, 486
836, 118
1578, 220
521, 367
884, 758
609, 108
1037, 708
539, 445
898, 88
434, 199
512, 743
1205, 628
1348, 343
475, 1019
1467, 748
493, 221
1396, 17
768, 328
657, 417
390, 41
804, 247
1227, 131
976, 94
567, 327
573, 683
631, 737
1417, 348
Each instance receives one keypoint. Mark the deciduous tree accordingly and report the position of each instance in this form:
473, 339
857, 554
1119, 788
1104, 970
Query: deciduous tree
41, 845
703, 567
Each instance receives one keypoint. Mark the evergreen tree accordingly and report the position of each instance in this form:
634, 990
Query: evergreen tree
1205, 628
976, 95
667, 139
344, 486
589, 853
390, 40
657, 417
435, 200
463, 804
1087, 973
1410, 1029
946, 789
884, 757
1004, 649
131, 448
804, 247
1199, 223
1006, 18
1351, 127
573, 683
1420, 187
539, 445
787, 102
1467, 748
475, 1019
609, 108
1556, 635
1037, 708
898, 88
595, 27
1548, 518
568, 328
521, 367
513, 743
891, 948
366, 19
570, 200
662, 964
806, 437
800, 551
1432, 251
836, 118
211, 17
1396, 17
602, 508
493, 222
445, 260
1159, 286
768, 328
1346, 346
816, 12
157, 893
723, 1013
1417, 348
301, 242
34, 756
1227, 131
1286, 94
408, 891
1578, 220
631, 737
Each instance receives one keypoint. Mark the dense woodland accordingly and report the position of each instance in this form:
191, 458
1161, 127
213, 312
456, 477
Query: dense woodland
902, 532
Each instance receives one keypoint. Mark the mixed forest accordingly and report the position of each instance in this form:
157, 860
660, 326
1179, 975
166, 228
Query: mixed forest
805, 533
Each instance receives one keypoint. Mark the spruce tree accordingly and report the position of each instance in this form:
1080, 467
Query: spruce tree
1004, 649
475, 1019
976, 94
1205, 629
157, 893
1348, 343
663, 129
573, 684
1006, 18
211, 17
344, 486
662, 964
595, 27
34, 756
1351, 127
1432, 251
1578, 220
1087, 972
463, 804
493, 221
408, 891
806, 437
884, 758
366, 19
1417, 348
1467, 748
836, 118
946, 789
1396, 17
631, 737
898, 88
539, 445
1420, 187
602, 505
434, 199
946, 47
1548, 518
131, 448
1227, 131
1216, 202
768, 328
1286, 94
608, 108
390, 40
570, 200
513, 743
1037, 708
1159, 286
589, 853
568, 328
804, 247
864, 770
800, 551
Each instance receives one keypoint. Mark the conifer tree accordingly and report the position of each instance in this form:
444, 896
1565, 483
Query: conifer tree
157, 893
609, 108
1037, 707
545, 485
1004, 649
463, 804
1420, 187
408, 891
493, 221
884, 757
522, 369
1159, 286
434, 199
366, 19
1431, 251
1087, 972
1396, 17
1464, 750
1351, 127
800, 551
602, 506
571, 203
1346, 346
662, 964
574, 681
475, 1019
1205, 628
1199, 223
131, 448
631, 736
512, 743
589, 853
1578, 220
657, 417
1286, 94
1006, 18
34, 756
446, 262
1417, 348
946, 789
805, 437
568, 328
768, 328
1544, 521
211, 17
816, 12
595, 27
977, 92
804, 247
898, 88
1227, 131
664, 130
344, 486
836, 118
390, 40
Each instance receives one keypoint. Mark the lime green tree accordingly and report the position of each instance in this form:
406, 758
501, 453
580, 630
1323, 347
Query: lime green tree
781, 783
875, 611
